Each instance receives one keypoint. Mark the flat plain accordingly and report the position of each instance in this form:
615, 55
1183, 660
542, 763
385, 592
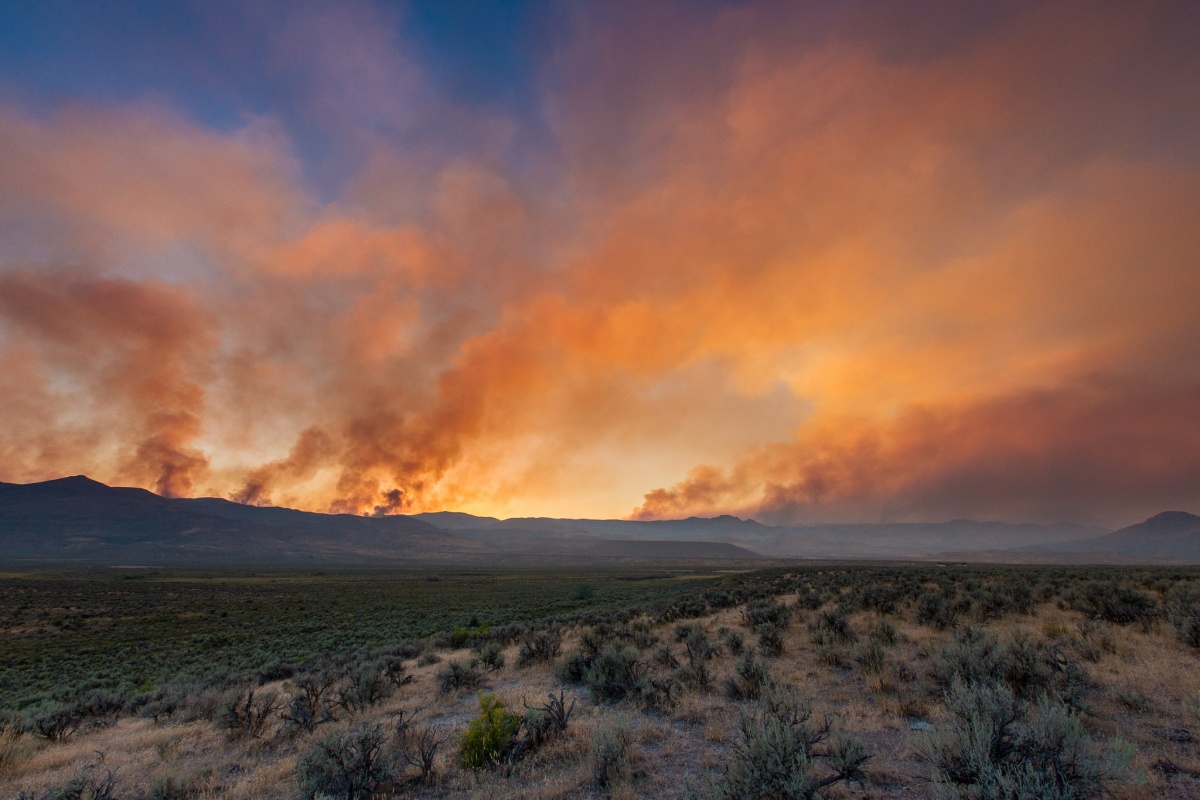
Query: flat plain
805, 680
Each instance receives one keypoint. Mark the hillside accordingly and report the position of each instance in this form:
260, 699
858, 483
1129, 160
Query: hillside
1169, 536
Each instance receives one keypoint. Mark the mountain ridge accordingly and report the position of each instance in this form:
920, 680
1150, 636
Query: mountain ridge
79, 519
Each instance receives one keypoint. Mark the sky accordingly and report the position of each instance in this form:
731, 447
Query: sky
798, 262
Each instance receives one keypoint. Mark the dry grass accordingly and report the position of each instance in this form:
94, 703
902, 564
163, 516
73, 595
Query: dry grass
676, 746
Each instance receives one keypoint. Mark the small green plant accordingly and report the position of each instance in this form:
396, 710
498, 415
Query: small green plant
490, 736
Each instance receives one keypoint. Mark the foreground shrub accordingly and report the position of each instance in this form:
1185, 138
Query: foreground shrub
778, 754
417, 747
1027, 668
611, 754
308, 705
994, 747
54, 722
346, 765
246, 713
165, 787
368, 686
490, 736
90, 783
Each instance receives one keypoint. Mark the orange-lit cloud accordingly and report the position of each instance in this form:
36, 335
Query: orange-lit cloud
793, 262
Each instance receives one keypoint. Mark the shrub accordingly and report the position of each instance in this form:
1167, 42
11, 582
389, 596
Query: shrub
1114, 602
735, 642
245, 713
765, 613
936, 611
610, 754
490, 736
613, 673
883, 632
90, 783
427, 659
993, 745
101, 706
491, 656
53, 721
346, 764
308, 705
749, 679
870, 657
770, 640
393, 670
832, 627
165, 787
539, 647
366, 687
417, 746
459, 675
777, 753
1183, 609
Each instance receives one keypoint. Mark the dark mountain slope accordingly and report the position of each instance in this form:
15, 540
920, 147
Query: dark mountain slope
78, 519
1169, 536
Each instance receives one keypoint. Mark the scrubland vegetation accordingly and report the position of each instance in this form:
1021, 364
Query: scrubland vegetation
799, 682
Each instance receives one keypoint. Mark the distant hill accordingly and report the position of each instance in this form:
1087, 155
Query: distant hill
81, 521
883, 540
1169, 536
78, 520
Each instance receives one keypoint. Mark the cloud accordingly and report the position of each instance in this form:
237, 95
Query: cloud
854, 268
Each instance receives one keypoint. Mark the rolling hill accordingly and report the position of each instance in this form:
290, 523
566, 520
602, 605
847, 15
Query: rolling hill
79, 520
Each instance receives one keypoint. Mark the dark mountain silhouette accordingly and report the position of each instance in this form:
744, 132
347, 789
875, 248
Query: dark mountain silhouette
82, 521
1169, 536
78, 520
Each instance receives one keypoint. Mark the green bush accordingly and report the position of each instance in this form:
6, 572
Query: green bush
489, 737
345, 764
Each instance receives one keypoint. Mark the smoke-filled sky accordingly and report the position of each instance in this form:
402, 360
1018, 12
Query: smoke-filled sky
856, 261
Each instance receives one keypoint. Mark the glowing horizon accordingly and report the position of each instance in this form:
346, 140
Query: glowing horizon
792, 262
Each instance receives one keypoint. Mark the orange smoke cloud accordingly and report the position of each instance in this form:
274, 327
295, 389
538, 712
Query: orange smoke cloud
940, 266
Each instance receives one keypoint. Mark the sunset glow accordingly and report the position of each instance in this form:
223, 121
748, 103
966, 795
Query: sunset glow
796, 262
